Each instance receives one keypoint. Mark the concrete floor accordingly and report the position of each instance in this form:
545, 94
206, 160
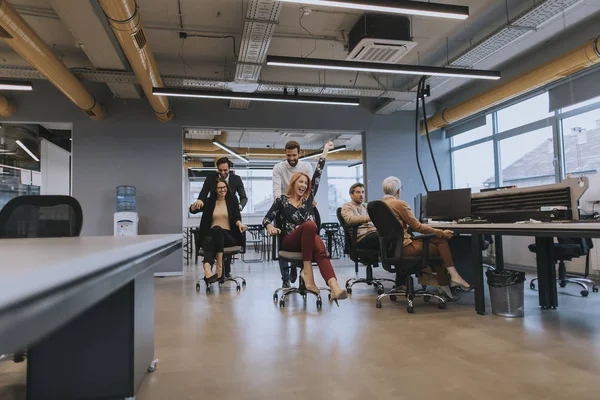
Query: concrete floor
229, 345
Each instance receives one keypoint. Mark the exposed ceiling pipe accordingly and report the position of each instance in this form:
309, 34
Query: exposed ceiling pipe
124, 20
561, 67
7, 107
193, 164
204, 145
22, 39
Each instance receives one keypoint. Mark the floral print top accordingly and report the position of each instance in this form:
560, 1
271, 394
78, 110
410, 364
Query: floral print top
285, 216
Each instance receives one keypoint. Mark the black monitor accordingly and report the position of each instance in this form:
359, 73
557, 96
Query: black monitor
419, 209
449, 204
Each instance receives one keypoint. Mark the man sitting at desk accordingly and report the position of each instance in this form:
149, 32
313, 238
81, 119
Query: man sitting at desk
355, 212
392, 188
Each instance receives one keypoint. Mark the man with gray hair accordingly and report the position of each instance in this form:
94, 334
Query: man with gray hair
392, 188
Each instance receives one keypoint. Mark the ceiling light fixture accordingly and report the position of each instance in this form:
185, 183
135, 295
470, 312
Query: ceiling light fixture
230, 151
402, 69
15, 85
358, 164
277, 98
394, 7
27, 150
318, 153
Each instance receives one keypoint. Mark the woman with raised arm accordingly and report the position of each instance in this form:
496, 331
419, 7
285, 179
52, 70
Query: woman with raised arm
221, 226
294, 211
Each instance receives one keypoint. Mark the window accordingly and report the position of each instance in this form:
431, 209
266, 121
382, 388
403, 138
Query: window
528, 159
581, 143
580, 105
474, 167
339, 179
474, 134
524, 112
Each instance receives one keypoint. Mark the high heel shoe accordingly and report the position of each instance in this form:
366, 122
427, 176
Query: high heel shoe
461, 286
310, 288
343, 295
212, 279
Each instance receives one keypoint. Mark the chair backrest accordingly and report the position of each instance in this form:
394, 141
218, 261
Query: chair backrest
41, 216
390, 231
585, 244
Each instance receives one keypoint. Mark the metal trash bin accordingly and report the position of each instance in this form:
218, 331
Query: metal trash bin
507, 292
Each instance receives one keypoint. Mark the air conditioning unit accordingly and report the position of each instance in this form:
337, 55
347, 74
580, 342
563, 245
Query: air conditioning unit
379, 38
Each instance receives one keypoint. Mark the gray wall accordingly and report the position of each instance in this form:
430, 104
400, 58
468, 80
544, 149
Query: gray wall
130, 147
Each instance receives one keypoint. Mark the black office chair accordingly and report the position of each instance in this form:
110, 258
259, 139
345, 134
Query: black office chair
367, 257
566, 250
39, 217
295, 258
391, 238
228, 255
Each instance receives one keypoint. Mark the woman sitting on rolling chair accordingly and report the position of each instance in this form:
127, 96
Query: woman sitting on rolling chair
221, 212
392, 188
299, 231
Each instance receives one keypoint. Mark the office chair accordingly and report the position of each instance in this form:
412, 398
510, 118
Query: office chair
228, 255
367, 257
391, 238
39, 217
294, 258
566, 250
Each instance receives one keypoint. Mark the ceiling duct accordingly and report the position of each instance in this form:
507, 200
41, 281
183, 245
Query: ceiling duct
22, 38
125, 22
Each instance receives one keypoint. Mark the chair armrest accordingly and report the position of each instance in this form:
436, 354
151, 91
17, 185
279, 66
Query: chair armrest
425, 237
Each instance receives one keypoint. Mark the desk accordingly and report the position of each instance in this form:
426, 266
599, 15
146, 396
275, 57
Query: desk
544, 234
83, 309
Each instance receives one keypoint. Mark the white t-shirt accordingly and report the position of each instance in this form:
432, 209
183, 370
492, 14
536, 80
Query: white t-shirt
282, 174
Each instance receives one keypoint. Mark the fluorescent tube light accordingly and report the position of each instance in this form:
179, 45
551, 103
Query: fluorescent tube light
358, 164
230, 151
341, 65
394, 7
15, 85
318, 153
277, 98
27, 150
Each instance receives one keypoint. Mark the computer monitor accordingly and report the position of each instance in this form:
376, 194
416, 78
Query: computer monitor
419, 209
449, 204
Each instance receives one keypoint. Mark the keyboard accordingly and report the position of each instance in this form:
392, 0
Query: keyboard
473, 221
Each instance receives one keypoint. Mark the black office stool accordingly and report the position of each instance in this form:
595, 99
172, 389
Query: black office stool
228, 253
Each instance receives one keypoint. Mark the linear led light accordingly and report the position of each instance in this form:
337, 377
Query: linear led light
15, 85
358, 164
318, 153
394, 7
402, 69
27, 150
230, 151
277, 98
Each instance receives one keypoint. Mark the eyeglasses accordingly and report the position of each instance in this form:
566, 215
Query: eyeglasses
222, 188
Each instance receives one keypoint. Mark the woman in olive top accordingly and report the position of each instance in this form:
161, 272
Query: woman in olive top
221, 226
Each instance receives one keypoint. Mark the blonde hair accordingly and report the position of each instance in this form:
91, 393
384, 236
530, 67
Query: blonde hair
293, 181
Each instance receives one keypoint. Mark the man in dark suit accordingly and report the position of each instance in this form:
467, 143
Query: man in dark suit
233, 181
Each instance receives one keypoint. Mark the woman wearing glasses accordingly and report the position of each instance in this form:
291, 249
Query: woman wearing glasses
221, 226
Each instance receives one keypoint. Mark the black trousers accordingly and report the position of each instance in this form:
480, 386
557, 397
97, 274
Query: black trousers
369, 242
215, 241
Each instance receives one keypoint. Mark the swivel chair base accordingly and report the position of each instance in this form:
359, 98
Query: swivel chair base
410, 294
369, 280
301, 290
563, 280
226, 277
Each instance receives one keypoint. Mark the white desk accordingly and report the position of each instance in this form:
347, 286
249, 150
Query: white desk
83, 309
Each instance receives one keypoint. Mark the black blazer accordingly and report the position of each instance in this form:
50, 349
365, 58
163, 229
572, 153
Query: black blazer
233, 210
235, 186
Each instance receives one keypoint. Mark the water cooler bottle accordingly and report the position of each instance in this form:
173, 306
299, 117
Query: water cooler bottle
126, 218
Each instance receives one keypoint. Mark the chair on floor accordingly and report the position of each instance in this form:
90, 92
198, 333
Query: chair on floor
367, 257
39, 217
391, 237
566, 250
295, 258
228, 255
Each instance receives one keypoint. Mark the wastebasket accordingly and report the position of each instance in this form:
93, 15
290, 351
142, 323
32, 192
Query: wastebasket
506, 292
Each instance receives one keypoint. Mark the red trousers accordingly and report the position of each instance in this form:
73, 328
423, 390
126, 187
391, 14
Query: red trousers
306, 240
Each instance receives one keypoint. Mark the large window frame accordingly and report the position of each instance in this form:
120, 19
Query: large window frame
554, 121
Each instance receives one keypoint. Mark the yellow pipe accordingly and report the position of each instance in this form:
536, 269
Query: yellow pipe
7, 107
22, 39
125, 22
563, 66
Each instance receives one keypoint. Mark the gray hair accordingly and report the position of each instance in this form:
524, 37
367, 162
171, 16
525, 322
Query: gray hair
391, 185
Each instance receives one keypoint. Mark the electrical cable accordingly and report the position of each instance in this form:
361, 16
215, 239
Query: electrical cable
417, 136
437, 172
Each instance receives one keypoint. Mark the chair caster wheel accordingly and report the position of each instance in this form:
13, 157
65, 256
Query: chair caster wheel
380, 291
208, 289
442, 306
244, 284
393, 298
197, 287
281, 303
410, 310
238, 288
349, 290
562, 284
275, 298
595, 289
532, 286
584, 293
319, 304
427, 298
378, 304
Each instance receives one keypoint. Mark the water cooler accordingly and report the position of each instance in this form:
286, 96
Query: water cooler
126, 218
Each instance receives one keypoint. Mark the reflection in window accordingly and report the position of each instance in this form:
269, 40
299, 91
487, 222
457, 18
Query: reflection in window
581, 142
528, 159
474, 167
474, 134
524, 112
